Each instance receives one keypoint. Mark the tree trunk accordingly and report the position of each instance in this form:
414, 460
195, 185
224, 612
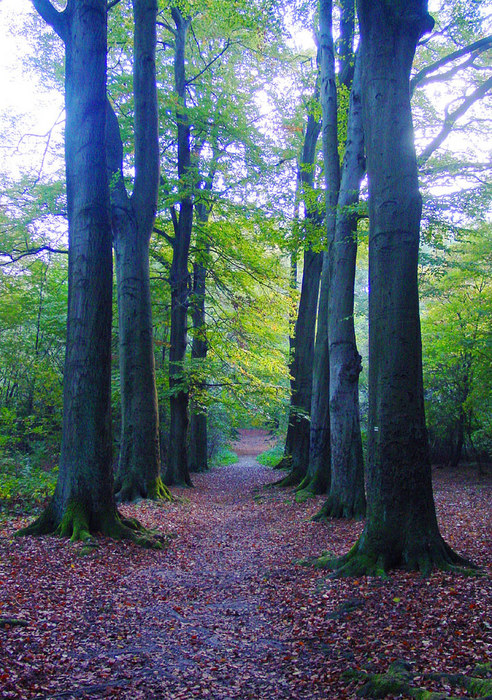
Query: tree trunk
138, 471
346, 497
199, 348
319, 449
83, 501
401, 528
302, 342
177, 470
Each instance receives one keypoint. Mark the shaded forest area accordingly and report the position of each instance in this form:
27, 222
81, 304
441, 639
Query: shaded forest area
252, 227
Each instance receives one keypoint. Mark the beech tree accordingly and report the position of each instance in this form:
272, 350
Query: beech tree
401, 528
83, 502
132, 217
296, 453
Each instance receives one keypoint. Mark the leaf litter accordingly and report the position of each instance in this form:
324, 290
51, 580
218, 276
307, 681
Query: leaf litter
228, 612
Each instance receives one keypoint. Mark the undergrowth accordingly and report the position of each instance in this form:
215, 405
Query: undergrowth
26, 483
223, 457
271, 457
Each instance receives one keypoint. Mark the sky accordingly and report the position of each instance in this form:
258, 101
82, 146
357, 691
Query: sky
35, 108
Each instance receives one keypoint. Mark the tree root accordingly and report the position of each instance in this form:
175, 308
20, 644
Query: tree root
303, 495
363, 561
335, 508
131, 491
398, 680
78, 525
12, 622
285, 463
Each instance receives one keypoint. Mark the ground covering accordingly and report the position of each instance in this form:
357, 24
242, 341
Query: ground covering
226, 611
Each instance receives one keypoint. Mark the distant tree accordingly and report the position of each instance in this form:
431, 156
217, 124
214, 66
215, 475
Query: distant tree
296, 453
457, 337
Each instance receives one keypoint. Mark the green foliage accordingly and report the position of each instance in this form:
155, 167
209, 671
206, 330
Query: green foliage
271, 457
26, 482
457, 343
223, 458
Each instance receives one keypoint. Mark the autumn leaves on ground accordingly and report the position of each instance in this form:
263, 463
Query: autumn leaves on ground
228, 612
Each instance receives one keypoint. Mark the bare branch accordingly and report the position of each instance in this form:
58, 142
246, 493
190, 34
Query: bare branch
162, 233
210, 63
476, 47
452, 117
14, 256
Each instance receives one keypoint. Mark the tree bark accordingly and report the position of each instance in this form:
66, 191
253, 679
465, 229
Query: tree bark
319, 448
177, 469
199, 348
302, 343
346, 497
83, 502
138, 471
401, 527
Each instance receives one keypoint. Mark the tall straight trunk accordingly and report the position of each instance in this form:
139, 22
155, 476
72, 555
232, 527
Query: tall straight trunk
83, 501
346, 497
302, 341
177, 468
286, 461
198, 417
319, 450
401, 527
139, 466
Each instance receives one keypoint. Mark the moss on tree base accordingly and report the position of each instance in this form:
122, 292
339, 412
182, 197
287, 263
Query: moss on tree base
334, 507
362, 560
130, 491
79, 525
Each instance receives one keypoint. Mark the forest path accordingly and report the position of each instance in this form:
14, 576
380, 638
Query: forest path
225, 611
216, 627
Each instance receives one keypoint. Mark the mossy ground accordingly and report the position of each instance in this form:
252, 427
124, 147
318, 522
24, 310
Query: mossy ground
399, 679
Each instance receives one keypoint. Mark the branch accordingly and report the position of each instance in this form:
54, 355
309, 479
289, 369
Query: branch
167, 26
162, 233
479, 46
57, 20
452, 118
112, 4
14, 257
210, 63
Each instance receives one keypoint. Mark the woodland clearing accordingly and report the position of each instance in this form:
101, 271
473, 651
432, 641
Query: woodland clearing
226, 611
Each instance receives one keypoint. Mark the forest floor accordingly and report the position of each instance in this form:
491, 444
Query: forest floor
227, 612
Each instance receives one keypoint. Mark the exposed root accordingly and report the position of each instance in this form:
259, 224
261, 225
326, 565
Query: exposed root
131, 491
303, 495
400, 677
12, 622
285, 463
78, 525
336, 508
362, 561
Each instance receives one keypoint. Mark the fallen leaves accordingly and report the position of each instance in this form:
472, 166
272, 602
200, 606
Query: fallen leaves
226, 613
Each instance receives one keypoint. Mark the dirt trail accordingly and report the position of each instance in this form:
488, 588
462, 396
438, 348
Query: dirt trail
213, 627
226, 612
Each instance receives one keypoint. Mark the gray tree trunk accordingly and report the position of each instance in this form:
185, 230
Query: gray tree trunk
302, 342
401, 527
319, 449
346, 497
199, 348
83, 501
138, 471
177, 468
